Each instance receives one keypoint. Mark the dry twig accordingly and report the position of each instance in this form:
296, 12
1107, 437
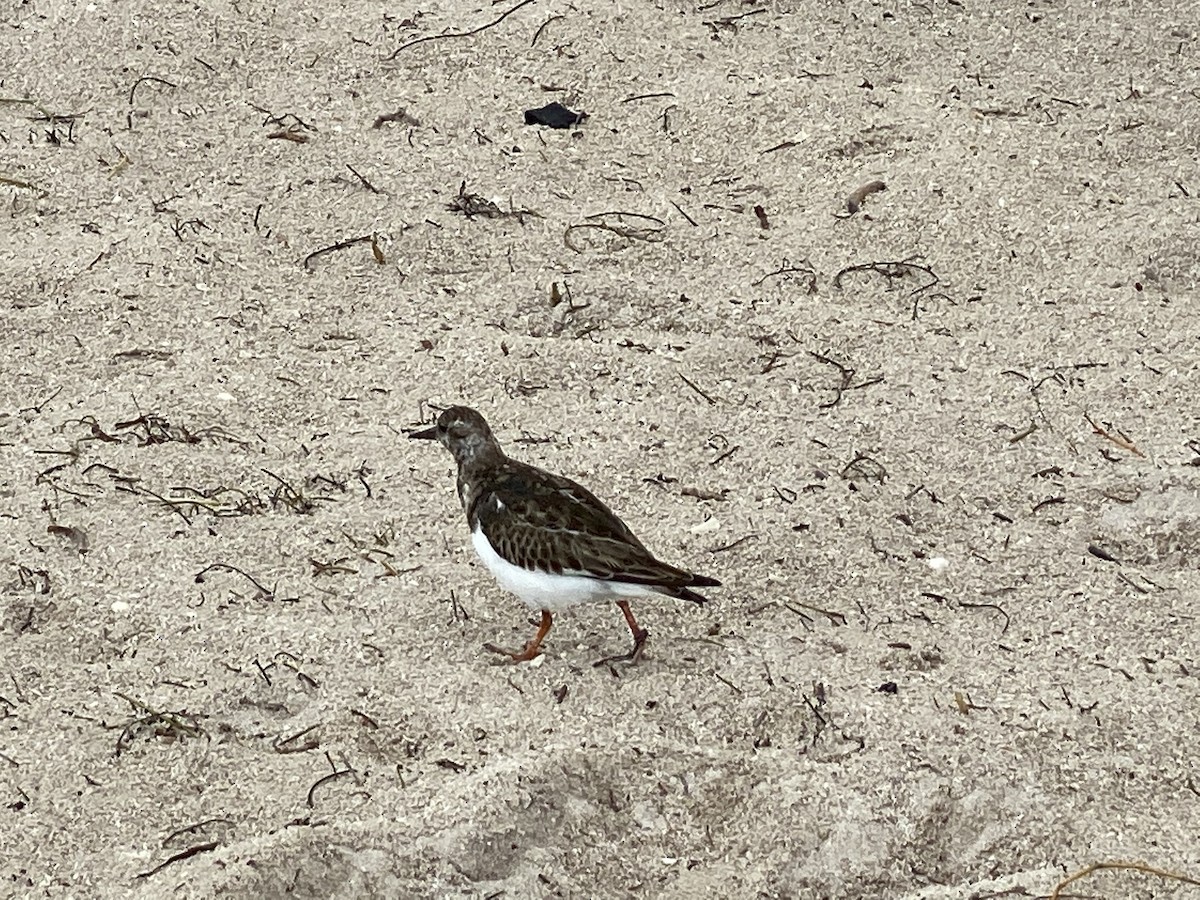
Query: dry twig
459, 34
1126, 866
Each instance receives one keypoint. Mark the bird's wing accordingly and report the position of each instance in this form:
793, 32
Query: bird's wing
552, 524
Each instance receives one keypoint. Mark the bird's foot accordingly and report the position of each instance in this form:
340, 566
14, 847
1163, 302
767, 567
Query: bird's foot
532, 650
633, 656
512, 657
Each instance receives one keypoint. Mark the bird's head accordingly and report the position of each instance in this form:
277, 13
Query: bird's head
462, 431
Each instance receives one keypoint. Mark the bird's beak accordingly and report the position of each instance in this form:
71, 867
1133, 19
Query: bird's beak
429, 434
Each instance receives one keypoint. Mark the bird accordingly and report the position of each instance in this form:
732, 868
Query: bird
548, 539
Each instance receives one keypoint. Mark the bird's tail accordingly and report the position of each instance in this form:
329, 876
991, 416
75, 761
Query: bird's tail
685, 592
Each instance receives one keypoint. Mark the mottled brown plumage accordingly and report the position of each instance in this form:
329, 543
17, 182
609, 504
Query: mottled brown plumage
547, 538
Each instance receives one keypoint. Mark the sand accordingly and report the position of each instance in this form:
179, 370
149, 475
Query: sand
944, 453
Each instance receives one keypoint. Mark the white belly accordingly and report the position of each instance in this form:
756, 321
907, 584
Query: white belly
545, 590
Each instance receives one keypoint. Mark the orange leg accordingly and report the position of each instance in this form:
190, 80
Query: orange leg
532, 650
639, 638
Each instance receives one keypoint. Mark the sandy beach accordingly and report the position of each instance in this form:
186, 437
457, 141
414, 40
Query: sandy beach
943, 450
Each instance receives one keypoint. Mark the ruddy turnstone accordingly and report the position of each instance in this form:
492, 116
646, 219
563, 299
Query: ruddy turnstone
549, 540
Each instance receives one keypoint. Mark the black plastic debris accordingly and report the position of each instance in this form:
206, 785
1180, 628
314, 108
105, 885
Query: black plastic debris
554, 115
